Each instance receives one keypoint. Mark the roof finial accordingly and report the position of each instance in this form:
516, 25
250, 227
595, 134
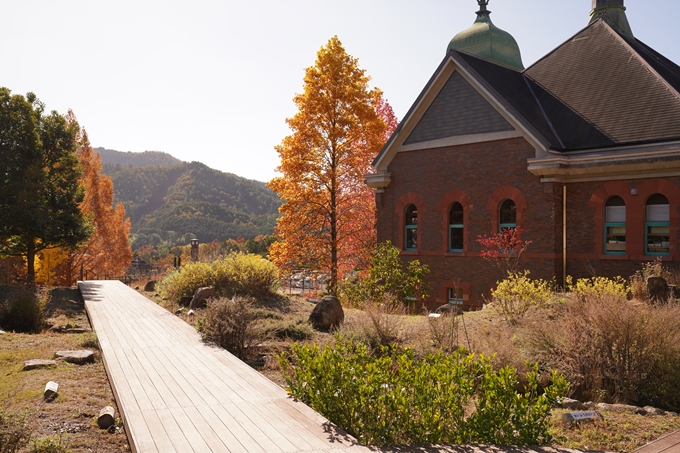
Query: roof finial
482, 7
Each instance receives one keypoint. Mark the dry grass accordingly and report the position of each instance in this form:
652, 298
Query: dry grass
621, 432
83, 390
484, 332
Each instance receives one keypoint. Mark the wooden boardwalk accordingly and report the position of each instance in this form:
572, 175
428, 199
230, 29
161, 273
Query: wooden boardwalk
667, 444
177, 394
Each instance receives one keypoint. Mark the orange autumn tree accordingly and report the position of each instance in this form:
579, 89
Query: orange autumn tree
108, 250
328, 215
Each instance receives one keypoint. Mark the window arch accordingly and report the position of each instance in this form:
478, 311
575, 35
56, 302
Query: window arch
411, 228
507, 215
657, 226
456, 227
615, 226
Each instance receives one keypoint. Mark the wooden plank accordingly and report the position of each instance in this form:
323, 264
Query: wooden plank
287, 426
234, 444
242, 433
136, 387
139, 435
236, 417
159, 383
190, 432
271, 434
667, 444
157, 431
179, 441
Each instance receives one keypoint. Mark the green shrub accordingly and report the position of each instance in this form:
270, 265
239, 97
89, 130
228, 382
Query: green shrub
394, 398
15, 430
230, 323
23, 310
613, 349
49, 445
235, 274
389, 280
516, 294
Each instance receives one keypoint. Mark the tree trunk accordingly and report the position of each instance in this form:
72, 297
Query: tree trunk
333, 284
30, 261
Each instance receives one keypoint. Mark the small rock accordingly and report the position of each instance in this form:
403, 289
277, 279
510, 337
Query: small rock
313, 301
56, 329
38, 363
672, 414
136, 288
590, 405
76, 330
106, 417
622, 408
78, 357
179, 311
2, 332
653, 411
569, 403
190, 313
51, 390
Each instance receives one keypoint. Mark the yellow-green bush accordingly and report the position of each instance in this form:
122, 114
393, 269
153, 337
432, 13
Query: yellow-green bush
516, 294
235, 274
599, 287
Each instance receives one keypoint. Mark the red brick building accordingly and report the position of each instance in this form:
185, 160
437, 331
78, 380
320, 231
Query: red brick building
581, 151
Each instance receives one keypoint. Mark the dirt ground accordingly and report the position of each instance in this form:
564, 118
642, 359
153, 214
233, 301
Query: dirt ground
84, 390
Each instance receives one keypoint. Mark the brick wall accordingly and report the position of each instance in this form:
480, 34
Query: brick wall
486, 173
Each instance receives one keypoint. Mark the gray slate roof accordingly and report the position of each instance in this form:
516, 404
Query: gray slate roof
599, 89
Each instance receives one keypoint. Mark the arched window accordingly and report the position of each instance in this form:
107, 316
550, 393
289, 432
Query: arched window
508, 215
657, 226
411, 233
615, 226
456, 228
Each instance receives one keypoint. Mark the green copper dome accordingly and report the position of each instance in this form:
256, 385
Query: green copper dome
485, 40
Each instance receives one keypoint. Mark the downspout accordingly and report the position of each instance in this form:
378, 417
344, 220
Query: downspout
564, 236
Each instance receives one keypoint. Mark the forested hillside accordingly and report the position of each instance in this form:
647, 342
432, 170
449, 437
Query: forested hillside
192, 199
124, 159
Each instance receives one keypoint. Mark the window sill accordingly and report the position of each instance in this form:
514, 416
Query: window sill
409, 252
623, 257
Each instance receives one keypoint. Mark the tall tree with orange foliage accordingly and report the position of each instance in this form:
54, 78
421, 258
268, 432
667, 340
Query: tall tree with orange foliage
108, 249
326, 216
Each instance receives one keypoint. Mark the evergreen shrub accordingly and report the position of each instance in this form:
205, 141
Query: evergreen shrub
394, 398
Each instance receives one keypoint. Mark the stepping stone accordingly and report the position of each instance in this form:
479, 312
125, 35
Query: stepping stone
38, 363
78, 357
77, 330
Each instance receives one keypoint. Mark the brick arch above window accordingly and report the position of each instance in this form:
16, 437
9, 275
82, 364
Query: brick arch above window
400, 211
454, 196
497, 197
635, 212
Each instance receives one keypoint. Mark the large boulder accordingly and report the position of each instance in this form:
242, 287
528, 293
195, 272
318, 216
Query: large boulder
327, 314
658, 289
201, 297
150, 286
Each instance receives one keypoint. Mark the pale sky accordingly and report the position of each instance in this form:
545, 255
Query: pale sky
213, 80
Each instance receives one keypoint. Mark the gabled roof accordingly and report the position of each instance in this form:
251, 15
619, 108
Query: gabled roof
597, 90
620, 86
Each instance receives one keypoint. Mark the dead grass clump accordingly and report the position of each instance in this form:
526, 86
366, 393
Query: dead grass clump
15, 430
230, 323
377, 325
23, 310
613, 349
